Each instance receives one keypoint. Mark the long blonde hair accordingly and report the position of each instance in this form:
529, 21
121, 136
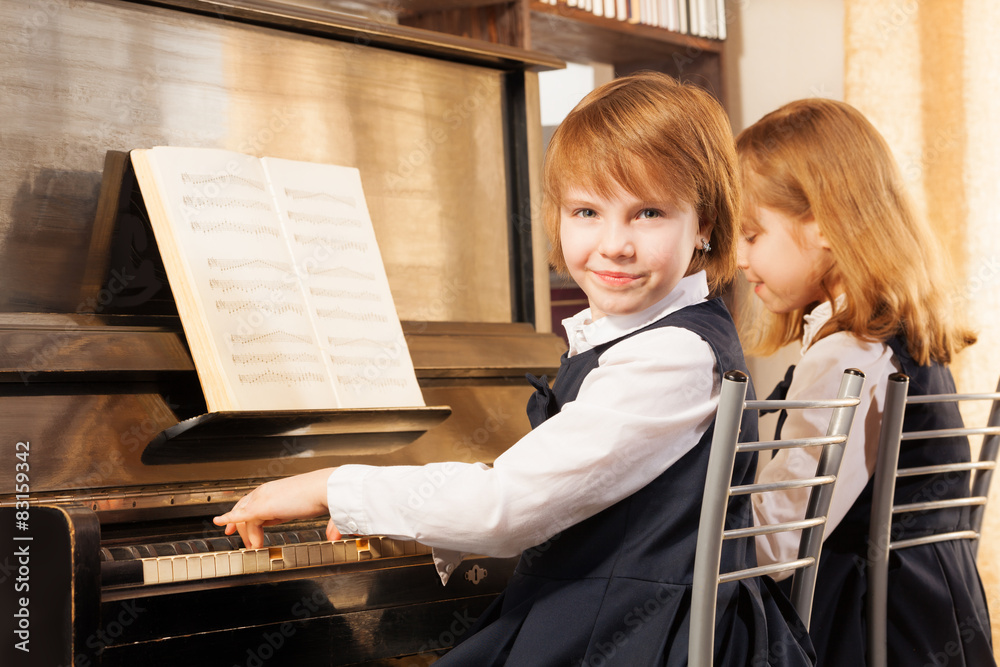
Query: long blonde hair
821, 159
659, 139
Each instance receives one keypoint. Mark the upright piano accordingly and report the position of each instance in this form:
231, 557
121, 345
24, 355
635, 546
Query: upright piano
107, 551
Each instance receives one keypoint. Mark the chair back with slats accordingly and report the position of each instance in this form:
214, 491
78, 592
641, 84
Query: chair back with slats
719, 489
884, 507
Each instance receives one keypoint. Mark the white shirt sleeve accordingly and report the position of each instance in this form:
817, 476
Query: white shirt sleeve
818, 376
647, 403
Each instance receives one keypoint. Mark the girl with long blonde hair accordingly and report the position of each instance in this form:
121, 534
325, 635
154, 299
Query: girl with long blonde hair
840, 262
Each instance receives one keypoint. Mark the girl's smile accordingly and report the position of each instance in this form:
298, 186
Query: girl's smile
624, 252
613, 278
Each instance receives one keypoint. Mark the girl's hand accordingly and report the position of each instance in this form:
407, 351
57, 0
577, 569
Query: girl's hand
298, 497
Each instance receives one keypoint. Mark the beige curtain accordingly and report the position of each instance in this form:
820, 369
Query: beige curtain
927, 74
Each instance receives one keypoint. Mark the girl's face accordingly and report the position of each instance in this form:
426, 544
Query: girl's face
784, 259
625, 253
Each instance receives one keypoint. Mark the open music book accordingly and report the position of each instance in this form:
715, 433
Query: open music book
278, 281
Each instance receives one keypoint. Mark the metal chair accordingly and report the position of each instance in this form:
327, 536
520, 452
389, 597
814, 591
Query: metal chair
883, 506
719, 490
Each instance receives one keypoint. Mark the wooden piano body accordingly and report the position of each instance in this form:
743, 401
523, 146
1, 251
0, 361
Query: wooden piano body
116, 561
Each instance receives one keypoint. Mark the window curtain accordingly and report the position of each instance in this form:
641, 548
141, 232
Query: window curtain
927, 74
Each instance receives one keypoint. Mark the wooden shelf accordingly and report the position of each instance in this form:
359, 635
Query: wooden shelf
575, 34
503, 53
495, 32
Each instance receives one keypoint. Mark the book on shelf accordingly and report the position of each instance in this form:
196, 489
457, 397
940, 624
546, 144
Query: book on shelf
278, 281
621, 10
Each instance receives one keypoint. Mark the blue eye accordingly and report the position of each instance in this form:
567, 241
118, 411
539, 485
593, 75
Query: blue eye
586, 213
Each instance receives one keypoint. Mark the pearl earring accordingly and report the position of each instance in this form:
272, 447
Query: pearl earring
705, 245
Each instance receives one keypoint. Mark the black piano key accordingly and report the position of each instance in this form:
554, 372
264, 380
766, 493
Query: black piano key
311, 536
121, 572
182, 548
200, 546
163, 549
145, 551
124, 553
225, 543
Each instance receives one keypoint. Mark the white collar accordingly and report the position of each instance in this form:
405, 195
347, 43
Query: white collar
584, 333
815, 320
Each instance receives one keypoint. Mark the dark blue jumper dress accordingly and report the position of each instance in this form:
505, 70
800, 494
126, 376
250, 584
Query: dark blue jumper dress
937, 612
615, 589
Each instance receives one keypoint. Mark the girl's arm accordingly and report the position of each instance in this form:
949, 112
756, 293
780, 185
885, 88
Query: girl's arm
299, 497
817, 376
647, 404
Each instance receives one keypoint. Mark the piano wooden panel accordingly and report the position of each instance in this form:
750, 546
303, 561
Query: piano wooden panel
432, 137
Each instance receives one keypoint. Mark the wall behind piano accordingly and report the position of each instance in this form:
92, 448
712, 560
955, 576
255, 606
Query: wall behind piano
82, 77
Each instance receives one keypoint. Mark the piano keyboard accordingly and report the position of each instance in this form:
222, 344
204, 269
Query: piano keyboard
223, 557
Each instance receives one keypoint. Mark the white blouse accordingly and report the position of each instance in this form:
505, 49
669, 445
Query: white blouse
817, 376
648, 402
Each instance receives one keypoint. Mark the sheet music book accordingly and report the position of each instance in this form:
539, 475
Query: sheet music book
278, 280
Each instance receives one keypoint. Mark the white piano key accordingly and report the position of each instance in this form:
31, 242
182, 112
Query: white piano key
150, 571
388, 547
194, 567
249, 562
326, 553
208, 566
288, 557
302, 555
339, 551
235, 563
315, 557
178, 565
222, 568
165, 571
375, 546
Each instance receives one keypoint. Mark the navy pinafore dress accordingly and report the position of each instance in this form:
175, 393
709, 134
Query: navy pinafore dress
615, 589
937, 612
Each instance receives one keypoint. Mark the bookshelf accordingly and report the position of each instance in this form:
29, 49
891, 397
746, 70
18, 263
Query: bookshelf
575, 35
